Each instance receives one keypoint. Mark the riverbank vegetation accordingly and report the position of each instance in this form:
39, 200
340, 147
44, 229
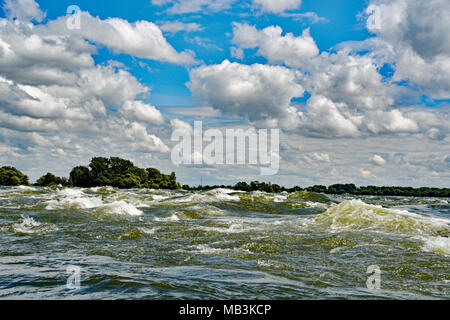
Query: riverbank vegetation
10, 176
50, 179
120, 173
101, 172
123, 174
339, 189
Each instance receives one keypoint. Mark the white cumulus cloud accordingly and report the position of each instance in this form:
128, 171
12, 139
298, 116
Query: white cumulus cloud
277, 6
255, 92
276, 48
142, 39
378, 160
23, 10
140, 111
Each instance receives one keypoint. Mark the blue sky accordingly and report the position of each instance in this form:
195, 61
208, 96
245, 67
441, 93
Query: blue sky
168, 81
354, 104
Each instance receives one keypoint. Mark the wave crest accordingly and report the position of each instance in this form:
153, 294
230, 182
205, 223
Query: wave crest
356, 214
28, 225
77, 199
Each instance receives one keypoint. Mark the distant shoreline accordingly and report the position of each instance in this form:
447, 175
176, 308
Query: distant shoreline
336, 189
123, 174
380, 191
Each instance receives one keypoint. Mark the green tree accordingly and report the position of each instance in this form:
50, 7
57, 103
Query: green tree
50, 180
317, 189
10, 176
119, 166
80, 177
121, 173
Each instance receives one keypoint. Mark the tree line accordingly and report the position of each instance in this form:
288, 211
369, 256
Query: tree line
338, 189
123, 174
101, 172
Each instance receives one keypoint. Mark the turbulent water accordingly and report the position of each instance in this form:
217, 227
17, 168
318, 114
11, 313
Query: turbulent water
220, 244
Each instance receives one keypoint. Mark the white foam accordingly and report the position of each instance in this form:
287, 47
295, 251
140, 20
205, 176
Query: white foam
69, 192
147, 230
106, 188
311, 204
204, 249
173, 218
73, 198
210, 196
157, 197
355, 214
224, 194
233, 228
335, 250
77, 199
223, 190
122, 208
264, 263
437, 244
280, 198
76, 202
30, 226
26, 188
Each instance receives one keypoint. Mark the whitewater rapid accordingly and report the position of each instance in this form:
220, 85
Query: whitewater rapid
313, 241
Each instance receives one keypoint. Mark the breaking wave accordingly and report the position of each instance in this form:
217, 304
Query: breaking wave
77, 199
121, 208
177, 239
28, 225
437, 244
355, 215
216, 195
73, 199
172, 218
309, 196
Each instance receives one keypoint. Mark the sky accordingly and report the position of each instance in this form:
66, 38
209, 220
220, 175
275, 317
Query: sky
360, 90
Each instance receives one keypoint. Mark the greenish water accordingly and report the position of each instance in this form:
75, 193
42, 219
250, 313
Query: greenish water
147, 244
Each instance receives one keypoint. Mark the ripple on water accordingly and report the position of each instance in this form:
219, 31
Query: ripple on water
220, 244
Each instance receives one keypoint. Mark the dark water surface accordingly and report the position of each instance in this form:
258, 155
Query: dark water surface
147, 244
